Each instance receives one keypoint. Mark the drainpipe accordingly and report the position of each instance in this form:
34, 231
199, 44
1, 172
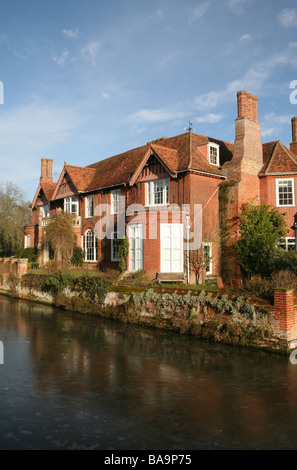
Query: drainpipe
188, 236
295, 227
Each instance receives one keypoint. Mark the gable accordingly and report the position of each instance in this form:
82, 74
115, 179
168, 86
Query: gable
278, 159
65, 186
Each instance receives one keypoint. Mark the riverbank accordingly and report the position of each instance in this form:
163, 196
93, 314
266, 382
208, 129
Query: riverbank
230, 318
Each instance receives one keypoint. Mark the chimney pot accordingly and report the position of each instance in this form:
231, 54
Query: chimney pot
293, 144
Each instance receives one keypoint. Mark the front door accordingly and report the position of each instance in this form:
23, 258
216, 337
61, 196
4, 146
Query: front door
135, 247
172, 248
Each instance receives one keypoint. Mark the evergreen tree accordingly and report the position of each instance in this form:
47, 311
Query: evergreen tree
261, 228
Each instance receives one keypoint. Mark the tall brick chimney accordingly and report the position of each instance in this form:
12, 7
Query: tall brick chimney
293, 144
46, 170
248, 154
242, 170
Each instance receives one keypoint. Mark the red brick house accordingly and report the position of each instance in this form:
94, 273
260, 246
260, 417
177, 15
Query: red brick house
154, 193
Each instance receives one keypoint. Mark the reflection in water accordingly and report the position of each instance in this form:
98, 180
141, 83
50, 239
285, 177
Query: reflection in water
78, 382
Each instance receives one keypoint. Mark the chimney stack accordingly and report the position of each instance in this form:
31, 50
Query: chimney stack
293, 144
247, 105
46, 170
248, 153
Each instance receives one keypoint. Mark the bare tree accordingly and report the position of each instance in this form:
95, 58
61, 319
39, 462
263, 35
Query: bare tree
14, 214
59, 236
200, 260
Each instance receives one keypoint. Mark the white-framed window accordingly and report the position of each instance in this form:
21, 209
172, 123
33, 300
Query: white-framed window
213, 151
89, 245
207, 257
45, 210
89, 207
71, 205
288, 243
157, 192
285, 192
114, 246
115, 198
27, 241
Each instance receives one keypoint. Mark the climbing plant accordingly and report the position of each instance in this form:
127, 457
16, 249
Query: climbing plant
123, 253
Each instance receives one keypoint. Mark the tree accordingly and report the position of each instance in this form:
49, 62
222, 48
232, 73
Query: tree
261, 228
14, 214
199, 261
59, 236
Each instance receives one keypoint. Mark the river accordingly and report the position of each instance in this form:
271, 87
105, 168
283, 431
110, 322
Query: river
71, 381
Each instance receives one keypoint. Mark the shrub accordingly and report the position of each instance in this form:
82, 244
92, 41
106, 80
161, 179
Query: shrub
282, 260
95, 288
78, 256
284, 280
57, 282
265, 287
30, 253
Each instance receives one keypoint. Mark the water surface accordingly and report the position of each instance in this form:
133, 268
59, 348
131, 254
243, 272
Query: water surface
72, 381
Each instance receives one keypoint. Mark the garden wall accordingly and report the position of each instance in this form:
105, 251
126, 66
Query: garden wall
215, 316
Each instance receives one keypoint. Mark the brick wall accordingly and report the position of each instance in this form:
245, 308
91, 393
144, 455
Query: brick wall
285, 314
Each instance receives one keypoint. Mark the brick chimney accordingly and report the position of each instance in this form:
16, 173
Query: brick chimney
248, 154
242, 170
46, 170
293, 144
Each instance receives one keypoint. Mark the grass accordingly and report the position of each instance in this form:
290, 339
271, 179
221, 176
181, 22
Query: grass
79, 272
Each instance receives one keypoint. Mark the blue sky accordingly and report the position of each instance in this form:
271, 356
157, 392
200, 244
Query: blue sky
87, 80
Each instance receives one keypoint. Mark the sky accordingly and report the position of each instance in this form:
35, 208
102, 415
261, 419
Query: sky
83, 81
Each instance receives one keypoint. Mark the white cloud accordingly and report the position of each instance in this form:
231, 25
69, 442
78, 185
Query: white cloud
245, 37
60, 60
168, 59
199, 11
154, 115
273, 123
288, 17
30, 132
90, 51
72, 34
252, 80
209, 118
238, 6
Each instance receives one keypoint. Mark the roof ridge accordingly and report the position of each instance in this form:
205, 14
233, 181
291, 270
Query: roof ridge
78, 166
288, 152
190, 150
117, 155
163, 147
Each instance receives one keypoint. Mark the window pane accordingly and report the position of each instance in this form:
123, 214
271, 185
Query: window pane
285, 192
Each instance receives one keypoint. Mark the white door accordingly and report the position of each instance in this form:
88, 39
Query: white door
135, 247
172, 248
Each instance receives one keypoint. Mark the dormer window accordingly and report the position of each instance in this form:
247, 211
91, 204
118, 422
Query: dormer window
213, 151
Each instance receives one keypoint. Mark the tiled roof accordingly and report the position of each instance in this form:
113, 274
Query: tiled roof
179, 153
48, 189
278, 159
80, 176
